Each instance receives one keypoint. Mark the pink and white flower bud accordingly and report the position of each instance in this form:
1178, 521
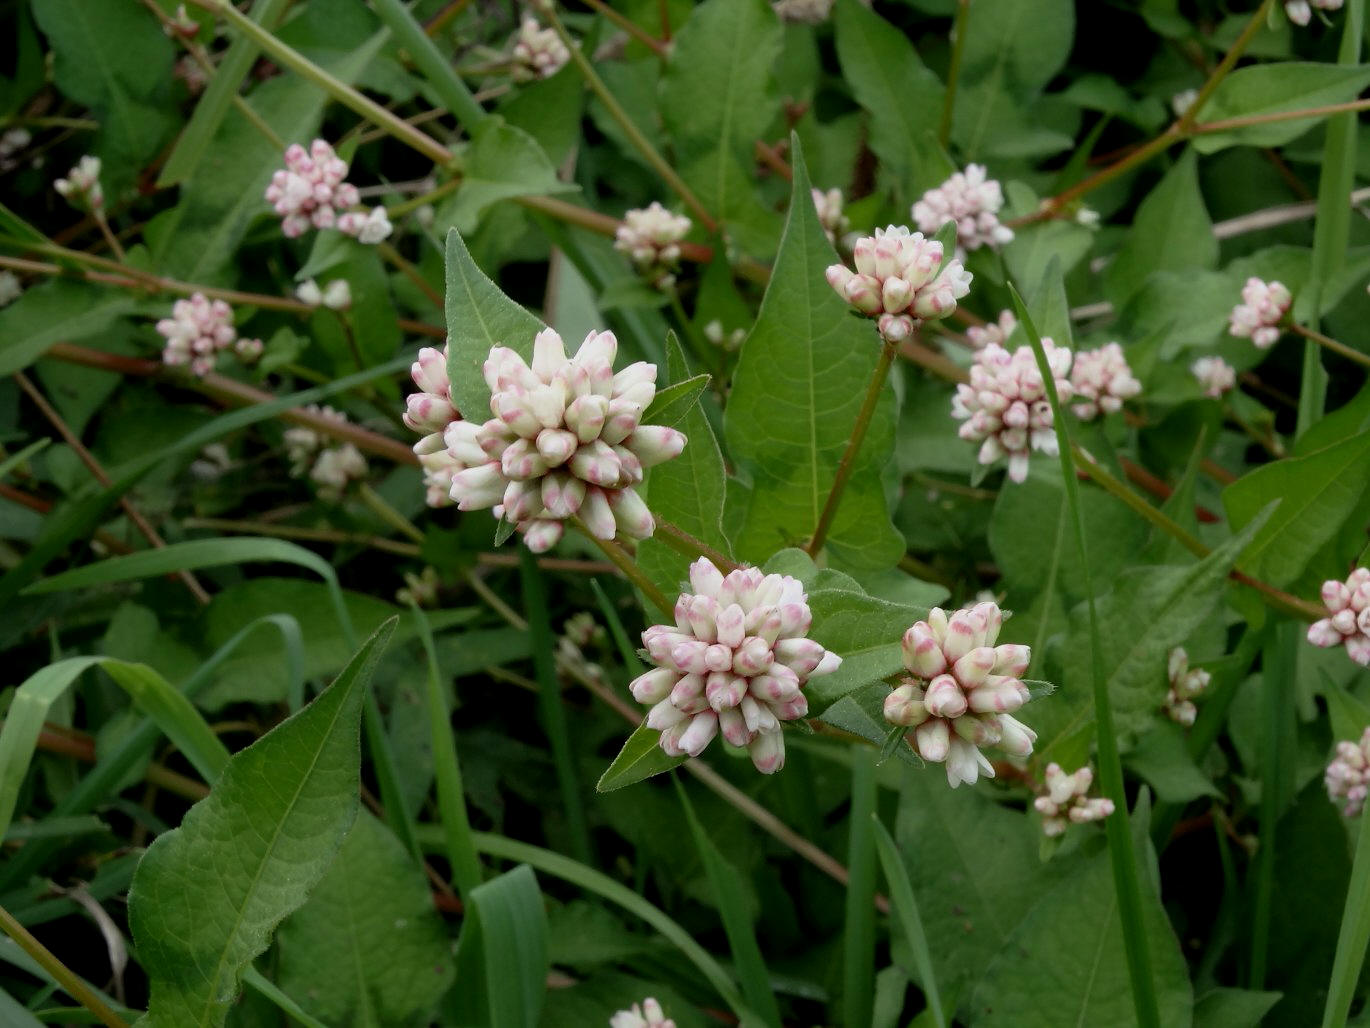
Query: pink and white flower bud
1101, 380
1259, 315
1215, 376
1346, 623
900, 275
971, 199
648, 1014
1062, 800
538, 53
1348, 775
709, 660
198, 330
830, 216
960, 690
996, 332
81, 188
651, 237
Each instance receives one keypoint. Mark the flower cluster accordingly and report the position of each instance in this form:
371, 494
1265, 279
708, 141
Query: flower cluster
1064, 800
729, 341
198, 329
10, 288
336, 296
331, 466
997, 332
1258, 316
961, 691
736, 661
12, 142
1348, 620
420, 589
1101, 380
81, 188
539, 53
1004, 406
651, 237
900, 277
1300, 12
648, 1015
972, 200
1348, 775
429, 412
1215, 375
803, 12
312, 190
1182, 101
565, 439
830, 216
1186, 684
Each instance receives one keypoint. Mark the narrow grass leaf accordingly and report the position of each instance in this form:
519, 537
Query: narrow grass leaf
270, 827
502, 959
737, 924
906, 906
1353, 935
858, 936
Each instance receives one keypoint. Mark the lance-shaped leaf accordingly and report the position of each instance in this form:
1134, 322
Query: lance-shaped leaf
208, 895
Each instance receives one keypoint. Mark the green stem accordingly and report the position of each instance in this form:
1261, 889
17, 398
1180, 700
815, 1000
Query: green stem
1328, 343
1226, 124
333, 86
953, 71
631, 571
1118, 829
436, 67
630, 129
389, 514
553, 713
1230, 58
71, 984
858, 436
688, 545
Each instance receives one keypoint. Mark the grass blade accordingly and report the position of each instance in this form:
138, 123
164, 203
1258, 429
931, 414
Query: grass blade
587, 878
1353, 936
502, 959
266, 988
1118, 825
10, 463
549, 702
906, 906
456, 828
732, 906
436, 67
858, 948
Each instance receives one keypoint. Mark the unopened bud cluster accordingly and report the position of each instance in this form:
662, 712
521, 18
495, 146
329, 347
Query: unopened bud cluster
971, 199
1186, 684
336, 296
421, 589
829, 207
330, 465
735, 662
81, 188
961, 691
1005, 406
651, 237
1101, 380
729, 341
1215, 375
196, 332
1258, 316
312, 190
647, 1014
901, 277
565, 440
1064, 800
996, 332
1348, 620
539, 53
10, 288
1348, 775
1300, 12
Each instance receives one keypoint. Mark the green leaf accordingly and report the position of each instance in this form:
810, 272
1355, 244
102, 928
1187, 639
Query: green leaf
1149, 611
56, 312
502, 959
688, 491
368, 948
865, 632
731, 900
1319, 492
1065, 964
672, 404
1162, 759
1172, 232
906, 909
174, 714
641, 758
123, 84
800, 380
903, 98
1233, 1008
503, 162
479, 316
270, 828
1272, 89
718, 97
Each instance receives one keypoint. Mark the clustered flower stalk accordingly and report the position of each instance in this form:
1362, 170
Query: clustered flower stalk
311, 190
828, 205
1064, 800
972, 200
198, 330
331, 466
734, 663
1186, 684
1348, 616
1348, 775
1215, 376
901, 278
1300, 12
1261, 313
961, 690
538, 53
566, 440
81, 188
647, 1014
651, 237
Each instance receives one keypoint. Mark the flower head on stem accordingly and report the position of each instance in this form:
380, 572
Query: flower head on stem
1064, 800
901, 278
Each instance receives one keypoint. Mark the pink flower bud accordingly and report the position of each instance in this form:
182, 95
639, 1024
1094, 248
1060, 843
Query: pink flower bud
654, 686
